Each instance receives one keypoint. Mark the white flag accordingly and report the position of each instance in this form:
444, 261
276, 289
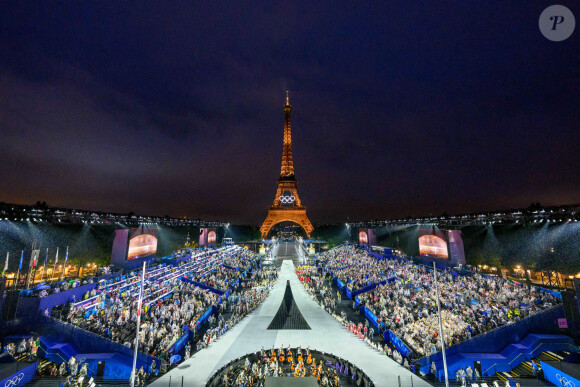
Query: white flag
6, 263
56, 258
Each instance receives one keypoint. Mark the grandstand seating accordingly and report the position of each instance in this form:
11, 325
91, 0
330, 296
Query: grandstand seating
59, 341
509, 358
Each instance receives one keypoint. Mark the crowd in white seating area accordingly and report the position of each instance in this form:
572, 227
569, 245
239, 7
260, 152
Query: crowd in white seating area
471, 304
221, 277
162, 322
240, 303
241, 259
169, 303
313, 283
356, 268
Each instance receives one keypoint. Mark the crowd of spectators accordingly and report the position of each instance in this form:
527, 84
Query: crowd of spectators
356, 268
172, 302
323, 293
241, 302
471, 303
239, 260
162, 322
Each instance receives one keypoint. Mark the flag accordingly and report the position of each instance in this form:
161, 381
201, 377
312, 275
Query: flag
6, 262
21, 258
56, 258
66, 257
34, 258
46, 258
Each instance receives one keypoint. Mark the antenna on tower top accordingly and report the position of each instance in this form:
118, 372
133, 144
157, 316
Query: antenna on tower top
287, 97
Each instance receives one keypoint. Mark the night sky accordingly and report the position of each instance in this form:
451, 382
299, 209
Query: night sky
176, 107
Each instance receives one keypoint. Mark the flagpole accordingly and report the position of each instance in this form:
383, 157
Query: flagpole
54, 267
133, 373
44, 266
19, 267
34, 268
440, 326
64, 265
30, 264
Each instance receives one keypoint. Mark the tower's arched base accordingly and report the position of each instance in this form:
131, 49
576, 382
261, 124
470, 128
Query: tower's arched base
276, 216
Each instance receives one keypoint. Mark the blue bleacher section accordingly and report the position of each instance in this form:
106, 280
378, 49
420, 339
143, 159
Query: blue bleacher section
499, 350
494, 342
117, 365
60, 340
508, 358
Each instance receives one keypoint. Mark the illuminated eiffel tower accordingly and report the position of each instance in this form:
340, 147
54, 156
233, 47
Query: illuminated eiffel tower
287, 205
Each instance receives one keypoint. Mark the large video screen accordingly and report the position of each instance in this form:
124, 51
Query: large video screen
211, 236
363, 237
142, 243
433, 243
367, 236
207, 236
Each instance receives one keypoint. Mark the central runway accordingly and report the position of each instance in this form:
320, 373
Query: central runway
326, 335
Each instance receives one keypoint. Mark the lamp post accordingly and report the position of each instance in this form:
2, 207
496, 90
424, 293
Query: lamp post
440, 326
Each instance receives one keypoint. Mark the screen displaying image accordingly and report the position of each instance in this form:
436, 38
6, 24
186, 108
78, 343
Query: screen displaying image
362, 237
211, 237
433, 246
141, 246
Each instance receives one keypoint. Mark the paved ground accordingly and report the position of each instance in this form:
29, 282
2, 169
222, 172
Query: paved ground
326, 335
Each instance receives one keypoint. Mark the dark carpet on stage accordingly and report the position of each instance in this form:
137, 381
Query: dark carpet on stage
288, 315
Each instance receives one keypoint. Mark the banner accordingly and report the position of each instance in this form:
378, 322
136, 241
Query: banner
558, 377
397, 342
371, 317
21, 377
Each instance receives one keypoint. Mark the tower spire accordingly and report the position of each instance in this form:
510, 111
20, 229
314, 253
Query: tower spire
287, 170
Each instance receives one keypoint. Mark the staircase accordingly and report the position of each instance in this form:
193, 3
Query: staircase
524, 369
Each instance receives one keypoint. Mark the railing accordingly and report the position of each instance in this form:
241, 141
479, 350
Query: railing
46, 380
406, 381
169, 381
533, 353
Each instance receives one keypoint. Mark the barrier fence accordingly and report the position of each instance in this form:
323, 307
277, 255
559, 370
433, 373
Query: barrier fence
20, 376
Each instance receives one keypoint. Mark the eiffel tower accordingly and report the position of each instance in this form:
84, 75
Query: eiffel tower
287, 206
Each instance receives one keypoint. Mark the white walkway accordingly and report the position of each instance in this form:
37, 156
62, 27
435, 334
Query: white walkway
326, 335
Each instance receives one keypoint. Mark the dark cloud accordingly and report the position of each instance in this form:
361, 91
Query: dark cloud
175, 108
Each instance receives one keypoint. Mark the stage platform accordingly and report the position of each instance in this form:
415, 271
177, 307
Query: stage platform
326, 334
290, 382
